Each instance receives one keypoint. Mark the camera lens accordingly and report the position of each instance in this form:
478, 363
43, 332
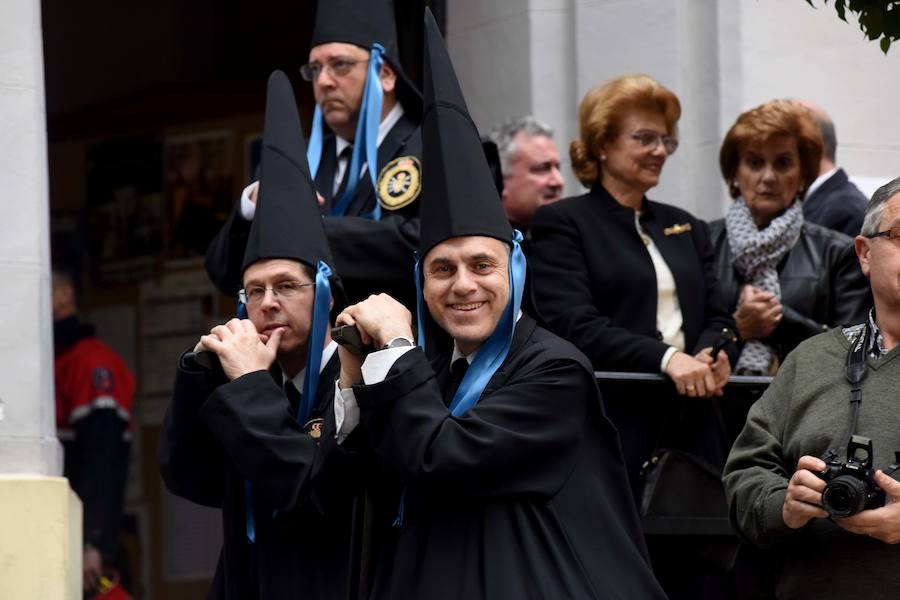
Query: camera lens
844, 496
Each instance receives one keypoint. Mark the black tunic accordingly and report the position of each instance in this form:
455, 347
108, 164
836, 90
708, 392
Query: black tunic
595, 283
216, 435
524, 496
370, 256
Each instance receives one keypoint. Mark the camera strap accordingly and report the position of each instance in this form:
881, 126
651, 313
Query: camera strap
855, 371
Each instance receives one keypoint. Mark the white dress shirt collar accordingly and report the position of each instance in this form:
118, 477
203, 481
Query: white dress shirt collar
383, 128
819, 181
327, 353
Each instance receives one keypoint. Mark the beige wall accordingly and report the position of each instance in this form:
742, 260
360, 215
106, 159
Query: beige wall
720, 56
40, 538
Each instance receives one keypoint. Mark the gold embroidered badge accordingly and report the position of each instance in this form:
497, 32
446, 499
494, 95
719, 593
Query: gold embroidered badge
314, 428
400, 182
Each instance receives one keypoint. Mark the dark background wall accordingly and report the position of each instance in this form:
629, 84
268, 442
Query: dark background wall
102, 55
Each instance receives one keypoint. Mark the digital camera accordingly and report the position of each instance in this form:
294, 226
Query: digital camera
851, 485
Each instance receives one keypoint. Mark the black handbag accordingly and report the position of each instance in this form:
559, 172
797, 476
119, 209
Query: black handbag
682, 493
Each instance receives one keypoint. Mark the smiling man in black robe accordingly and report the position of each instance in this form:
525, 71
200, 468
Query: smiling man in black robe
513, 477
248, 437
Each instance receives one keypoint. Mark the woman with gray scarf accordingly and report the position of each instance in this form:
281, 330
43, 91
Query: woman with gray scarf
786, 279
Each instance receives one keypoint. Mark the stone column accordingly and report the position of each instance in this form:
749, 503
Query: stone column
541, 56
40, 517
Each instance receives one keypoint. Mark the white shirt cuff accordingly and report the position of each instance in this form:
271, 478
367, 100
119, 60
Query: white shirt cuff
346, 412
248, 207
374, 370
666, 358
377, 364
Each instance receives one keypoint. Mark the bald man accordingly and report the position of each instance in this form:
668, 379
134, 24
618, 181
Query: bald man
832, 200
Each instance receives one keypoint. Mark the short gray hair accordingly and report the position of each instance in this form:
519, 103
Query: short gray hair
503, 135
875, 208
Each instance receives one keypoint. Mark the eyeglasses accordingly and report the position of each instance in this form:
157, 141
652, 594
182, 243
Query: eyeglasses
892, 234
650, 139
338, 67
253, 295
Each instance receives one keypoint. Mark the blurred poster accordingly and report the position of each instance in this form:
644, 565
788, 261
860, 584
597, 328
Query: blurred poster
199, 189
125, 209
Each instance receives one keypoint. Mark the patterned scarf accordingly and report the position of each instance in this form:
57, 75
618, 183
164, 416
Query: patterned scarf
756, 254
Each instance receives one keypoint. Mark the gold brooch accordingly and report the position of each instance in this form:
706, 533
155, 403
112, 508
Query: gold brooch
677, 229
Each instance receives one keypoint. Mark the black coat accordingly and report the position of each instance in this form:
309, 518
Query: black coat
821, 284
216, 435
524, 496
595, 284
370, 256
836, 204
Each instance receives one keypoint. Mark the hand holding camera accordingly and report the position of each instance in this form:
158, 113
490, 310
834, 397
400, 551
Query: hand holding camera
850, 486
883, 523
803, 501
851, 492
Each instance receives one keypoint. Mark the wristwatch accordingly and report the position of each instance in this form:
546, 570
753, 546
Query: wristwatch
398, 342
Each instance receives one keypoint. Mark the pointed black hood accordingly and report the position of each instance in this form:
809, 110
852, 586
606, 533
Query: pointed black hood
287, 222
364, 23
459, 195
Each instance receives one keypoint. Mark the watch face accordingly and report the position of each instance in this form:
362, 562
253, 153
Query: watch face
399, 343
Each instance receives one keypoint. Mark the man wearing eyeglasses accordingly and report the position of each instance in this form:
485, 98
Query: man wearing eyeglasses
245, 430
777, 499
364, 154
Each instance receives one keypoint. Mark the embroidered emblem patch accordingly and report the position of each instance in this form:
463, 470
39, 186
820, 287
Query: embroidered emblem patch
400, 182
103, 380
314, 428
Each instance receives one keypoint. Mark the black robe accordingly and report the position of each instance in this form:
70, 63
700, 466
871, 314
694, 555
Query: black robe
216, 435
370, 256
524, 496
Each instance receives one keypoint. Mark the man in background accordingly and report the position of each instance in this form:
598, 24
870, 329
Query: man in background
94, 398
530, 165
832, 200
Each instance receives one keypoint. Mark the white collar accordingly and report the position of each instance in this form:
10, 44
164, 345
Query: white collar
819, 181
457, 354
469, 358
383, 128
327, 353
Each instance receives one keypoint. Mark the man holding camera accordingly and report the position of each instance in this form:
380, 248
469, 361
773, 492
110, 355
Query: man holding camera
805, 479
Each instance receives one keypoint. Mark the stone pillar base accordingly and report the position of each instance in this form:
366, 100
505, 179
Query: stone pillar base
40, 538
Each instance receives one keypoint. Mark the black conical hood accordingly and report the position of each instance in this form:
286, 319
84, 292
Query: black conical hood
287, 222
364, 23
459, 195
359, 22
